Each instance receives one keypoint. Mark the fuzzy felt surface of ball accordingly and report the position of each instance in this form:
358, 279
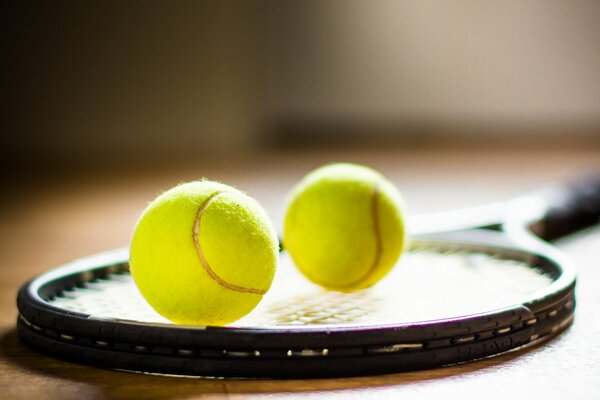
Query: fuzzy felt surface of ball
344, 226
203, 253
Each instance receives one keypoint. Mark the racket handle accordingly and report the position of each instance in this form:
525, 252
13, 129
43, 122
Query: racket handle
577, 207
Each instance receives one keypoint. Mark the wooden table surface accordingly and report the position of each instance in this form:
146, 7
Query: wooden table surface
54, 217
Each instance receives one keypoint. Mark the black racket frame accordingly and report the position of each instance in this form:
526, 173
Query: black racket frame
295, 352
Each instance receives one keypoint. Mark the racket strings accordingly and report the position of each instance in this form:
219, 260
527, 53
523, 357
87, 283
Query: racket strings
441, 305
426, 285
325, 308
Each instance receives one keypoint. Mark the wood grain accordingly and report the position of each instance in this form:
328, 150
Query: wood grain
46, 220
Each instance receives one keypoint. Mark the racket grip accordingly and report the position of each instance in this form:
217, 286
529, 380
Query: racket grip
577, 207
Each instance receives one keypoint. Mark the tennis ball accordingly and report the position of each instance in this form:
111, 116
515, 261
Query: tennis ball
203, 253
344, 226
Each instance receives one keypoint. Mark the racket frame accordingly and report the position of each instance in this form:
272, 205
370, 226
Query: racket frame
297, 352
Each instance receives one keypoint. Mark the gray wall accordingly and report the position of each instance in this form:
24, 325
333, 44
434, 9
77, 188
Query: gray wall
112, 80
441, 59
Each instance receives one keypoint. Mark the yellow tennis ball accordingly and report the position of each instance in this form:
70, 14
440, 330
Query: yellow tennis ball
344, 226
203, 253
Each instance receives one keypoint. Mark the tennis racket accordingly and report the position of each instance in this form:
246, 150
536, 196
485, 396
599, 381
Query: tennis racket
473, 284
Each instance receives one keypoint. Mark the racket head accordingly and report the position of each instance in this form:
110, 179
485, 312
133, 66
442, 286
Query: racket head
309, 332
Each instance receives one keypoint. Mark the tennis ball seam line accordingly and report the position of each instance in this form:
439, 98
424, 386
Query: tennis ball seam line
204, 262
377, 236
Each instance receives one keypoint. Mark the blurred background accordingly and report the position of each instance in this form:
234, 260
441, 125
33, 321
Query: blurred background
104, 104
139, 82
